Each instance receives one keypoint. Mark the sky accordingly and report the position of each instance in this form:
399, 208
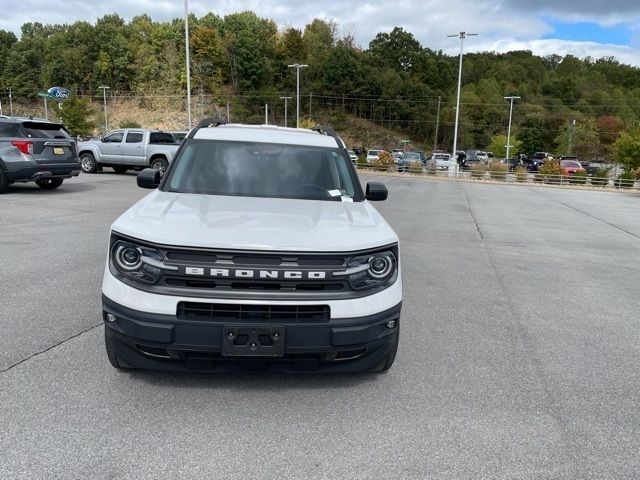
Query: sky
583, 28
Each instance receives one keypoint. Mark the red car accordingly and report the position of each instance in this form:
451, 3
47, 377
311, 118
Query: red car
571, 167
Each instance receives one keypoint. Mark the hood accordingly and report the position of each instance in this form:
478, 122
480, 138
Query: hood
270, 224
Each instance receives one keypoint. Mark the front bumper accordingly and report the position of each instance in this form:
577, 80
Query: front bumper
165, 342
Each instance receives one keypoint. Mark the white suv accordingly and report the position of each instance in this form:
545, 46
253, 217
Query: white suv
258, 249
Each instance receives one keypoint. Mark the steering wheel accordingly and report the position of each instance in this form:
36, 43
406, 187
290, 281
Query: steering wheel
312, 189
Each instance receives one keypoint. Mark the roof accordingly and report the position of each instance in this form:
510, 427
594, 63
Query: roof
235, 132
15, 119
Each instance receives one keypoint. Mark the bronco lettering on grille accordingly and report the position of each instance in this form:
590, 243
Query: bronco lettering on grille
262, 274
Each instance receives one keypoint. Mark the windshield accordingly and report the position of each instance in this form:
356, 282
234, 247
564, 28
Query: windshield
414, 156
264, 170
374, 152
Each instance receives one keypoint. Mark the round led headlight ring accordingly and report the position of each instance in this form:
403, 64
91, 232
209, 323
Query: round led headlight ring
128, 257
380, 266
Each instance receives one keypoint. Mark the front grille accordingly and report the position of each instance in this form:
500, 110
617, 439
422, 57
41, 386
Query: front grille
238, 285
221, 312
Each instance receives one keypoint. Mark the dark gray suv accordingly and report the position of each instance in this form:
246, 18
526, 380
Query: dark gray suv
36, 150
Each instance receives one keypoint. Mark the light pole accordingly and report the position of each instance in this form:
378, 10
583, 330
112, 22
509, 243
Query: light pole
298, 66
286, 99
435, 140
186, 46
462, 36
508, 145
104, 89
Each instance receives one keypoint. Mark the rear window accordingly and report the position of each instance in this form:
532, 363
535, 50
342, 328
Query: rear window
44, 130
161, 137
9, 129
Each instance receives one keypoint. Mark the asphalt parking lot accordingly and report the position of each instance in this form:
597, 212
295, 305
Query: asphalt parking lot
519, 351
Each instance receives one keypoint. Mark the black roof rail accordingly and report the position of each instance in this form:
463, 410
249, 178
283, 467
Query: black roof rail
329, 131
207, 122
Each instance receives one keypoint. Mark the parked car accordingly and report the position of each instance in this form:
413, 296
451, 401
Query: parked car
460, 156
442, 161
407, 159
179, 136
572, 167
128, 148
373, 155
423, 157
477, 155
396, 154
468, 163
35, 150
187, 286
353, 157
513, 162
594, 167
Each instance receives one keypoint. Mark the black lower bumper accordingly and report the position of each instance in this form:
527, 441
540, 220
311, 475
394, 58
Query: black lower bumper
163, 342
44, 172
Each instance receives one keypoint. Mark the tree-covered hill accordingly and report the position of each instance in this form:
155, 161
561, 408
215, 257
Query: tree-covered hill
394, 82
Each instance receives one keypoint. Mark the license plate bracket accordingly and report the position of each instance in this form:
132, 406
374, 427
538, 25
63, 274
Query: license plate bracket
253, 341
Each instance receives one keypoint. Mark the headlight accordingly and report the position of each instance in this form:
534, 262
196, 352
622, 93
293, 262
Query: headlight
136, 262
373, 270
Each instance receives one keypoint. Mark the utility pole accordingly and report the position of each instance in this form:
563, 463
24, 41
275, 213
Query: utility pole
508, 145
285, 108
10, 103
228, 113
572, 125
435, 140
462, 36
310, 94
297, 66
186, 47
201, 102
104, 89
266, 114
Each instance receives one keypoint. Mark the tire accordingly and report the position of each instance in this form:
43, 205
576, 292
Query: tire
159, 163
49, 184
4, 181
120, 168
88, 163
391, 357
111, 352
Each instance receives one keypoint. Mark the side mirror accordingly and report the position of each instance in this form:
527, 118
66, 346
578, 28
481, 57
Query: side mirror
376, 191
149, 178
102, 139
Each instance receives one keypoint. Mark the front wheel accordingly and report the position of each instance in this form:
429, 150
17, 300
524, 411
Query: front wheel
88, 163
159, 164
49, 184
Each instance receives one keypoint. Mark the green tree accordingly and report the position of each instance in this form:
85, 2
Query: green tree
581, 139
626, 149
533, 134
77, 116
498, 146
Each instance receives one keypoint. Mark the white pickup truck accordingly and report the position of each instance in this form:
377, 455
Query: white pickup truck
128, 148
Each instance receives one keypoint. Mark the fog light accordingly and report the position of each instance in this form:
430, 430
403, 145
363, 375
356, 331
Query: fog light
112, 318
391, 324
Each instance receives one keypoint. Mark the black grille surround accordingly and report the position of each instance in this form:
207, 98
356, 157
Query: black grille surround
222, 312
177, 282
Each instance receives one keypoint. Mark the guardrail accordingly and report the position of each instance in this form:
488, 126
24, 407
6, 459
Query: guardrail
507, 177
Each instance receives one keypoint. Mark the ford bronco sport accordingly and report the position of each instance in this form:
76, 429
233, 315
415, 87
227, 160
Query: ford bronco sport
258, 249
